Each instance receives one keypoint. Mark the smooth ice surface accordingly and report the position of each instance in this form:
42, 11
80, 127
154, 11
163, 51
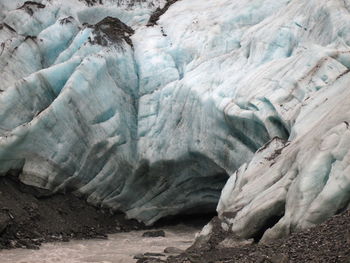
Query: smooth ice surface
152, 122
119, 248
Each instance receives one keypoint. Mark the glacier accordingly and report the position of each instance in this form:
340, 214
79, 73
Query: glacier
238, 102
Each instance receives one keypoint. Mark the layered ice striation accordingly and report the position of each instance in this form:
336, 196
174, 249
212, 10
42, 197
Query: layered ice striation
151, 118
296, 184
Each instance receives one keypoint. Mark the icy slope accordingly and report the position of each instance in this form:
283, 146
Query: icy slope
152, 119
296, 184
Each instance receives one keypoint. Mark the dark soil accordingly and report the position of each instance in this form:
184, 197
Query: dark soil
325, 243
158, 12
30, 216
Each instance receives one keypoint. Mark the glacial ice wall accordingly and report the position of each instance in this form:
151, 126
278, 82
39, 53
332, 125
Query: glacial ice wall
289, 186
151, 120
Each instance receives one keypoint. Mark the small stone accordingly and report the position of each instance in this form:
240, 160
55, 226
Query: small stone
32, 246
11, 216
156, 233
65, 239
13, 243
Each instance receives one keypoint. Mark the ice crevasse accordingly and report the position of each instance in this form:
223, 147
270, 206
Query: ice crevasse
154, 118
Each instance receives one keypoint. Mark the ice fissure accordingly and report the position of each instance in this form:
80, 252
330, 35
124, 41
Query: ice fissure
149, 107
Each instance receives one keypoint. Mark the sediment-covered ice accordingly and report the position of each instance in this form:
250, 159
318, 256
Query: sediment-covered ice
151, 120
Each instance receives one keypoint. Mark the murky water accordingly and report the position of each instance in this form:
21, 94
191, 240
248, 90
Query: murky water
119, 248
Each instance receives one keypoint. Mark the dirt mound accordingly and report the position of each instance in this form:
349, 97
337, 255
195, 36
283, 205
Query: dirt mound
30, 216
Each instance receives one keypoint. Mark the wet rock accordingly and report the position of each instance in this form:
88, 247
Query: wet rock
13, 244
139, 256
173, 250
32, 246
100, 236
149, 258
29, 244
155, 233
65, 239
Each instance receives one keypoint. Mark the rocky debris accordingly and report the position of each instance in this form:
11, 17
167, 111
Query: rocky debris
154, 233
111, 30
215, 236
325, 243
149, 257
158, 12
30, 216
30, 7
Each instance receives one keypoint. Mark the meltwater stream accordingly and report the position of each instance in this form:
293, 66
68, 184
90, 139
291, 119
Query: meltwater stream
118, 248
